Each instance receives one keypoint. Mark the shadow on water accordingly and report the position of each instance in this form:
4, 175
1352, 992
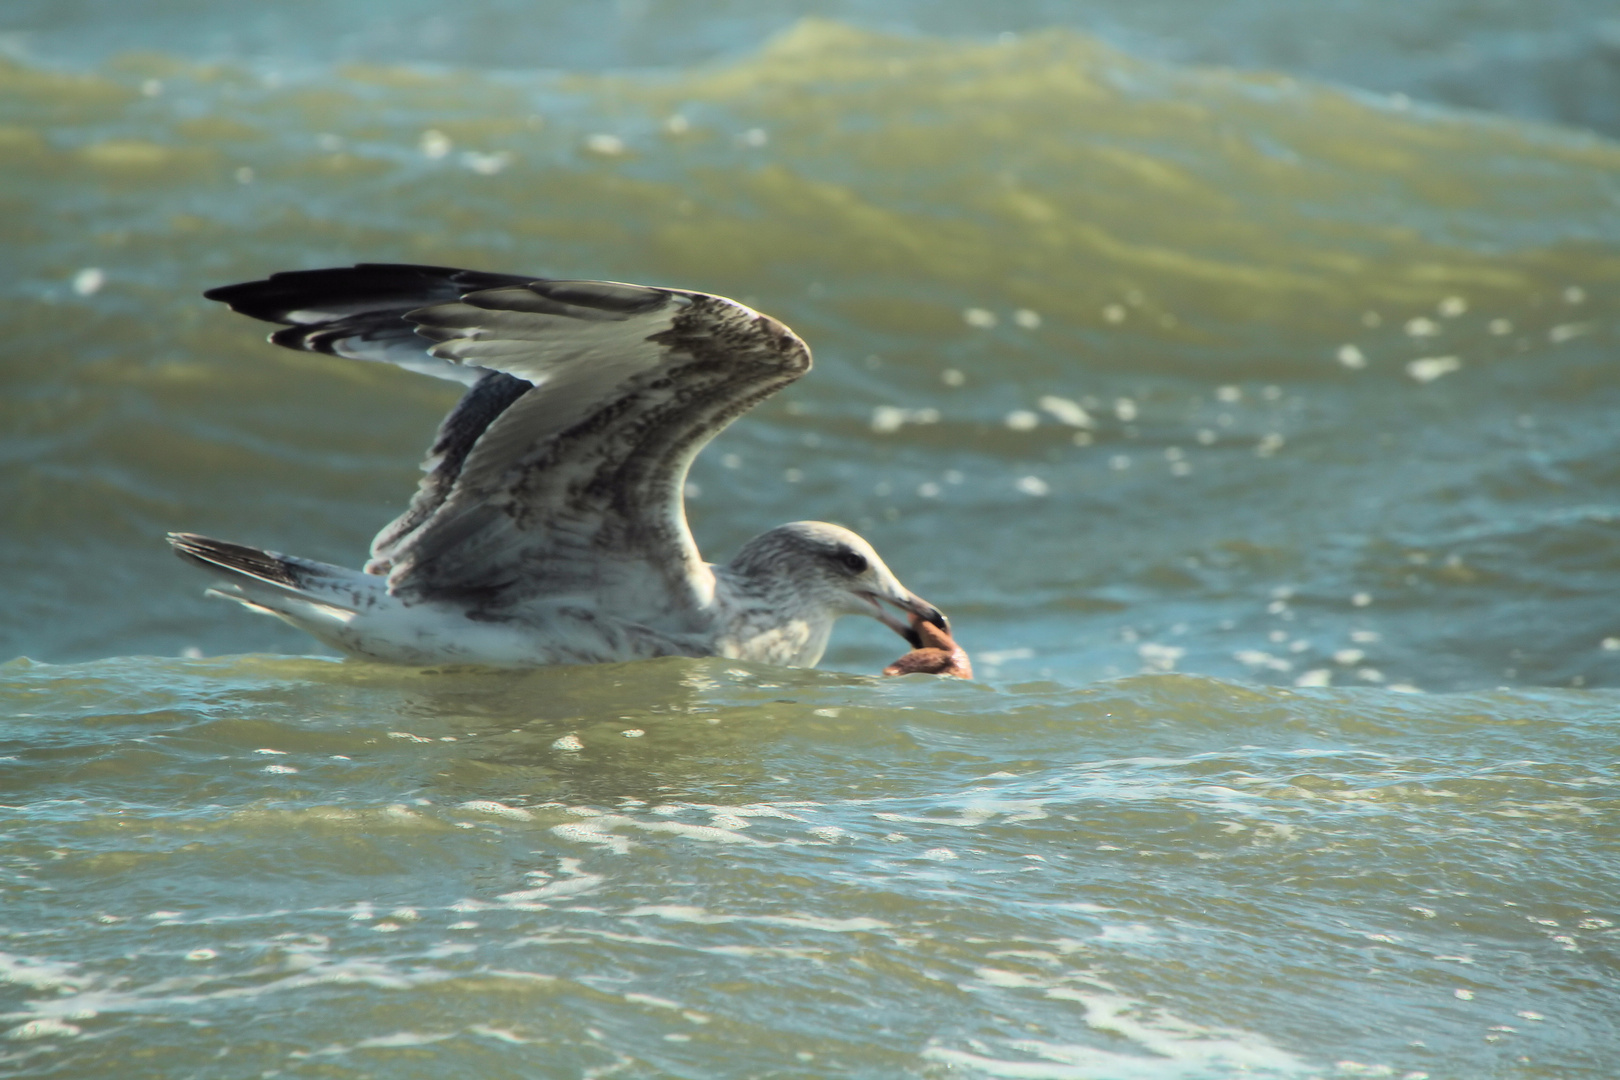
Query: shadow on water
650, 729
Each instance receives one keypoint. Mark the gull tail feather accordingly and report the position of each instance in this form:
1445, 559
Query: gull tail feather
318, 598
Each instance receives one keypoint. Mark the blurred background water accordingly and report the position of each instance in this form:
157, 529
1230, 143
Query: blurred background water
1240, 378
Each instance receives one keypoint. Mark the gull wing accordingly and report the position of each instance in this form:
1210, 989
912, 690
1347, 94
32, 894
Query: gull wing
560, 473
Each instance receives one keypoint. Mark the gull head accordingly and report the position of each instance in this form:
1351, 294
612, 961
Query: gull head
831, 569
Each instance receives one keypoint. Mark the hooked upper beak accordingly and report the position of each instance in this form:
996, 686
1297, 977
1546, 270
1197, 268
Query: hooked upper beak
911, 603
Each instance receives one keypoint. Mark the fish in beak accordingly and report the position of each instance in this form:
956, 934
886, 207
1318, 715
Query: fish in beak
911, 604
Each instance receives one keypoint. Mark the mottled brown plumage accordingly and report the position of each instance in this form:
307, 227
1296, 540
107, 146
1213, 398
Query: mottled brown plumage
550, 526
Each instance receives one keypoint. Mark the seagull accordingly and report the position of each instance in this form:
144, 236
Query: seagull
550, 525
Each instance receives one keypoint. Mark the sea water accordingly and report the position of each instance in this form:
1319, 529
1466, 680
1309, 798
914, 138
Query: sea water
1256, 431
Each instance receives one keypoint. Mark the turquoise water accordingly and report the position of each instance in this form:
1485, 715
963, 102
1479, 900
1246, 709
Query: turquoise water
259, 865
1256, 433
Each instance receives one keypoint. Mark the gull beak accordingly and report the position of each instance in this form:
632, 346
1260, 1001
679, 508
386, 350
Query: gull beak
910, 603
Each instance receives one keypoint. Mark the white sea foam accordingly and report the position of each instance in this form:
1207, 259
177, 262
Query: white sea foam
1163, 1047
496, 809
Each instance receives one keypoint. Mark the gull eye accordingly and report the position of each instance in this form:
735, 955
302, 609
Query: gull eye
853, 561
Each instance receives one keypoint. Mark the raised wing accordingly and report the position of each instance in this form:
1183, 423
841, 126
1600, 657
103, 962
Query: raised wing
560, 474
576, 488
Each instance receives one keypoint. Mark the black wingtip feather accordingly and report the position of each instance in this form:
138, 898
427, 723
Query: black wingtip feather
322, 339
335, 292
209, 553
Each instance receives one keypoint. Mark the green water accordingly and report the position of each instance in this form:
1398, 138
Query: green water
1257, 435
